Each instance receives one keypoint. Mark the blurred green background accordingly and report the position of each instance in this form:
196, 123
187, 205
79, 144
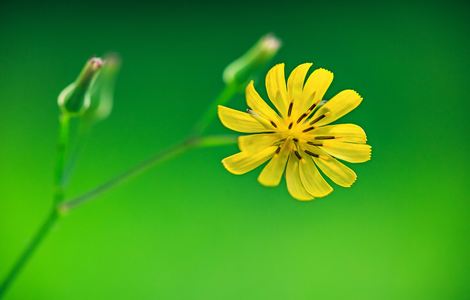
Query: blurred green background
189, 229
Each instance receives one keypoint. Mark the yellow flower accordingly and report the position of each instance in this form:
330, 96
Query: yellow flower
298, 134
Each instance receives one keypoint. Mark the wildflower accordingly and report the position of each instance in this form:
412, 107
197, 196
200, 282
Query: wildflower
297, 134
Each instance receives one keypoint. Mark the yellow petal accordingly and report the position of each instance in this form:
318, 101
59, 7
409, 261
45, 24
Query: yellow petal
294, 182
257, 142
257, 104
239, 121
272, 173
243, 162
355, 153
312, 180
276, 88
295, 84
341, 132
315, 88
336, 171
338, 106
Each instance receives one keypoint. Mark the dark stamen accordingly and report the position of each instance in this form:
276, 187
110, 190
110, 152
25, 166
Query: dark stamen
308, 129
289, 112
312, 107
325, 137
274, 124
278, 150
296, 140
315, 144
301, 118
317, 119
312, 154
290, 125
297, 154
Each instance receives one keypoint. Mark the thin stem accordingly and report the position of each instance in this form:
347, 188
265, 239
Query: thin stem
62, 148
227, 93
59, 195
29, 251
81, 137
209, 141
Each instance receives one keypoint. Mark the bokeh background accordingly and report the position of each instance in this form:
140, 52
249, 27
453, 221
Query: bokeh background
190, 230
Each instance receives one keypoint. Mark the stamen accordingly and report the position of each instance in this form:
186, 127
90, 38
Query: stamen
290, 125
311, 153
297, 154
289, 111
301, 117
308, 129
325, 137
274, 124
296, 140
317, 119
278, 150
315, 144
312, 107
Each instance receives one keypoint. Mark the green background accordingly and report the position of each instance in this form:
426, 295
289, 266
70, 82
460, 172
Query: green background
189, 229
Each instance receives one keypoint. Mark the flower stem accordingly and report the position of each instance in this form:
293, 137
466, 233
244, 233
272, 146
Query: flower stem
227, 93
29, 251
59, 195
180, 148
62, 148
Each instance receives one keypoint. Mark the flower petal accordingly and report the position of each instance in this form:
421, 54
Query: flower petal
341, 132
295, 84
338, 106
272, 173
314, 89
276, 88
257, 142
257, 104
239, 121
355, 153
312, 180
243, 162
336, 171
294, 182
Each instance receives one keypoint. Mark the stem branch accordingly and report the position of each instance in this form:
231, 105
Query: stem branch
185, 145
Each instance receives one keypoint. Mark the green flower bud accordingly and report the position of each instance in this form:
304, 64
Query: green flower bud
242, 69
102, 90
75, 99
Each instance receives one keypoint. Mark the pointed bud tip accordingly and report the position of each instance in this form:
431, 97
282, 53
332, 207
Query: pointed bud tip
95, 63
271, 42
244, 68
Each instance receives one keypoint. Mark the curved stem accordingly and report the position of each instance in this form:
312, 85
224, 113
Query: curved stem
59, 195
29, 251
227, 93
208, 141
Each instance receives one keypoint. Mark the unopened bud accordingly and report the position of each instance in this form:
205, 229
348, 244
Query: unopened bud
242, 69
75, 99
102, 91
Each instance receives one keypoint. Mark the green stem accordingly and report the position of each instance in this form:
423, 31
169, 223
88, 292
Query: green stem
208, 141
29, 251
227, 93
59, 195
63, 142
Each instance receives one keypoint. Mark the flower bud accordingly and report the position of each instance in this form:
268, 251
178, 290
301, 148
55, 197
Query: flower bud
75, 99
242, 69
102, 90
